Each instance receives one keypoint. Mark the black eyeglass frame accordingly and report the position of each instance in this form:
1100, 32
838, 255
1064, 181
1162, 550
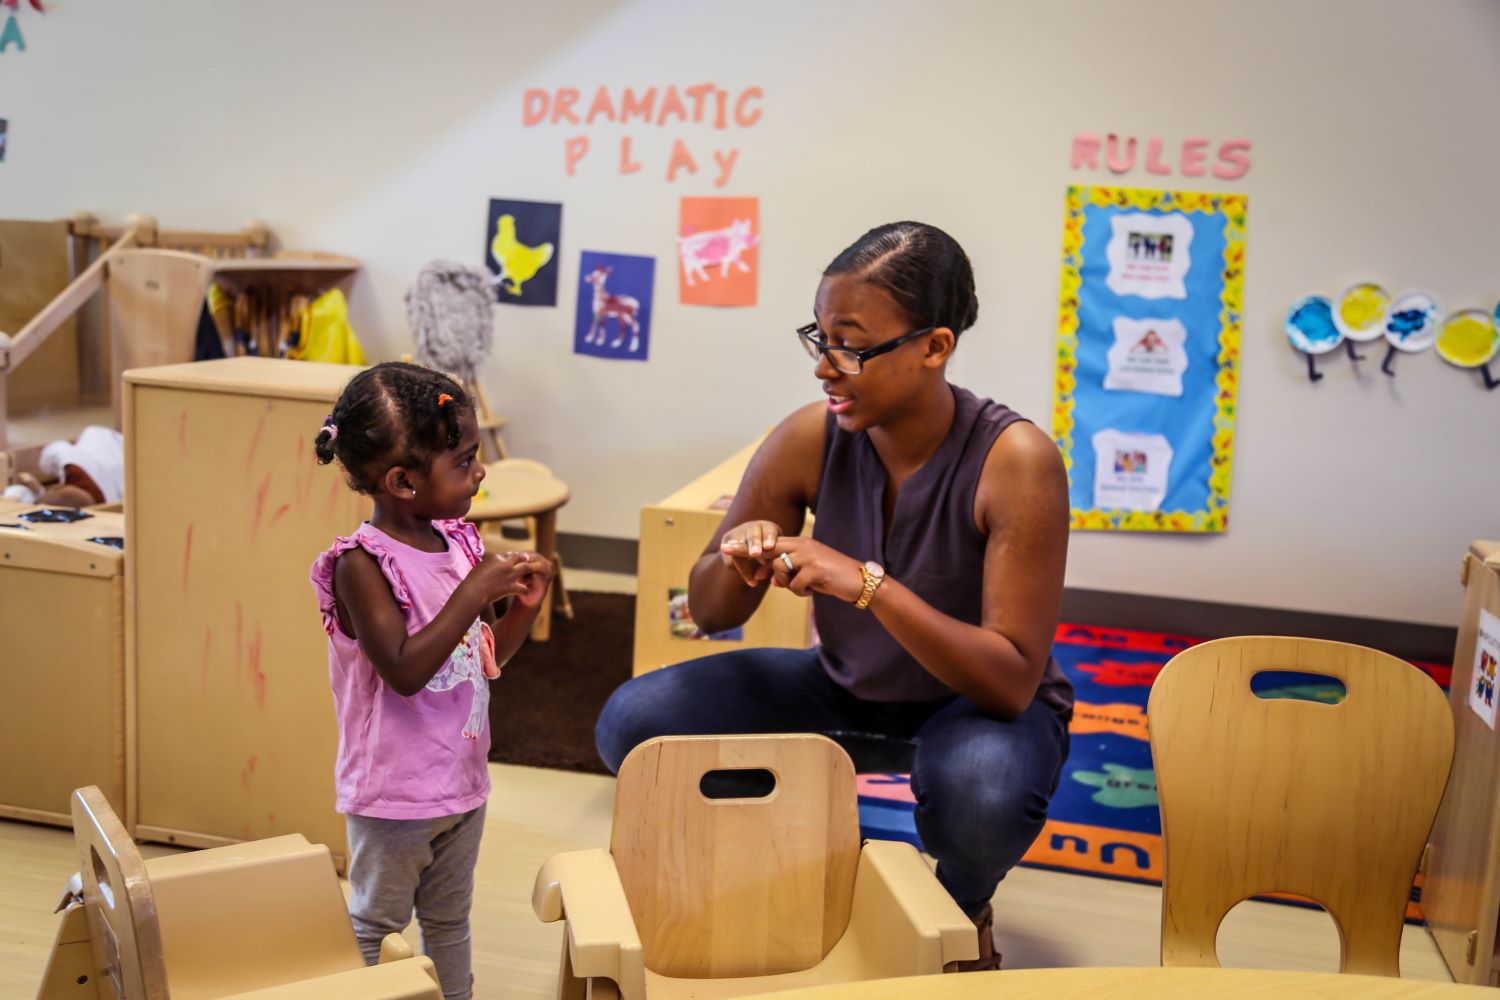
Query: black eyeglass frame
822, 347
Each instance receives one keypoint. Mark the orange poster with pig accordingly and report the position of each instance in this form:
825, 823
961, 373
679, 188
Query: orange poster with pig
718, 251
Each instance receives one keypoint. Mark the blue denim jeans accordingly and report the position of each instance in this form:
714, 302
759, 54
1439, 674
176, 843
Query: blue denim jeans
982, 785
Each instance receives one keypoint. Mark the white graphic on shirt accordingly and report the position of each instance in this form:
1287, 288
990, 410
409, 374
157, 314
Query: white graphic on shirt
464, 666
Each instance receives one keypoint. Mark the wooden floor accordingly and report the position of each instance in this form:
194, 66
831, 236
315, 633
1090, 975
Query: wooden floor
1042, 919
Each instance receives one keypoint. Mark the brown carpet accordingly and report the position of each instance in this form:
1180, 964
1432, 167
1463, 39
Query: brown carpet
542, 709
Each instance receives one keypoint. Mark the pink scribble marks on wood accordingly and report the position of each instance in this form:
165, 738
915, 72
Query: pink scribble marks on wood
257, 676
182, 432
333, 497
260, 507
254, 444
239, 637
280, 512
303, 484
248, 771
187, 557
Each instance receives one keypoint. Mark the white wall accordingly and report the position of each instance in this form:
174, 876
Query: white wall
380, 129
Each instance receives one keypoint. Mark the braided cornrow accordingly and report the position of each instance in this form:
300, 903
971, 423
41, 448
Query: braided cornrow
392, 414
921, 267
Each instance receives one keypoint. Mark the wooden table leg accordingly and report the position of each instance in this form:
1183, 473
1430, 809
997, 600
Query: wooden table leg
546, 544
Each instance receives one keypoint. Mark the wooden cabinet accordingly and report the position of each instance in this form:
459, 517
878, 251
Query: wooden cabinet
62, 666
673, 534
1461, 888
234, 735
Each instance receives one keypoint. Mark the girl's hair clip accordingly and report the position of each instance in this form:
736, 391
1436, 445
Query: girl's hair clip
444, 399
332, 429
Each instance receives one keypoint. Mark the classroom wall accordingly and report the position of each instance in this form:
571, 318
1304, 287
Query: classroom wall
381, 129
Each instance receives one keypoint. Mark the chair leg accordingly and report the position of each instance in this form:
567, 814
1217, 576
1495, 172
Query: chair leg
569, 986
603, 989
564, 602
70, 968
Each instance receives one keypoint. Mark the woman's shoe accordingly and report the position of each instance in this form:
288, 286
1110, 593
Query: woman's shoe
989, 958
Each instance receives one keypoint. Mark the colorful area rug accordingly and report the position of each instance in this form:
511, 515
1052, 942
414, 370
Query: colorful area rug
1104, 818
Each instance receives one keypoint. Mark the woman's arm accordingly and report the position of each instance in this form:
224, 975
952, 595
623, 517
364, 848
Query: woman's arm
779, 483
1022, 506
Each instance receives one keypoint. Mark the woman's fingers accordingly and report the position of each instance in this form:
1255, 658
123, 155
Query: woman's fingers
750, 570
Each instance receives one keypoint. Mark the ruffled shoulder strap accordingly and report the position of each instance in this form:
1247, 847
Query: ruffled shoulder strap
371, 541
464, 535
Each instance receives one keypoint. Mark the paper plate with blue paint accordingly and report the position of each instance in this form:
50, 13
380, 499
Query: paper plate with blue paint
1411, 323
1309, 325
1360, 312
1470, 338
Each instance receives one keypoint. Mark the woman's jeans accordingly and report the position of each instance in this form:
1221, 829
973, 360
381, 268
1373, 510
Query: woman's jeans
981, 784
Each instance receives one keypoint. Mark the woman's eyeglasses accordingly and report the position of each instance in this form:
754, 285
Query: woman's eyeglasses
849, 360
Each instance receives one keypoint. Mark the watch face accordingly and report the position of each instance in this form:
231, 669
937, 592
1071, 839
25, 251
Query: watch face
875, 569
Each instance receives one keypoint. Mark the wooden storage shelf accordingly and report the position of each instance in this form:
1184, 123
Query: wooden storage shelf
234, 735
284, 264
62, 720
673, 534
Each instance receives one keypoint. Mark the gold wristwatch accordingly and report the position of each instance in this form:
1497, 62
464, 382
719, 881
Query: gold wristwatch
874, 576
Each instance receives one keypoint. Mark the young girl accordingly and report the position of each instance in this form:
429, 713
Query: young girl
407, 603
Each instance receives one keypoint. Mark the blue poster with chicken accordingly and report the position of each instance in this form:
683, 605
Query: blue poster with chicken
522, 246
614, 305
1148, 357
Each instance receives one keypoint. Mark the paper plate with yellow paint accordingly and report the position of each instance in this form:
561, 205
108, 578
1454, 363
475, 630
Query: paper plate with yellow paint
1469, 338
1360, 313
1411, 324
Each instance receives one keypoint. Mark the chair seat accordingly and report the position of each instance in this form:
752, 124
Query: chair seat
517, 487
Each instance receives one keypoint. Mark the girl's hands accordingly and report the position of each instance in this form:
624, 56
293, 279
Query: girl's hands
536, 582
804, 566
746, 549
522, 575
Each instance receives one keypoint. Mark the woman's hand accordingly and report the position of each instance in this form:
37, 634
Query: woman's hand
804, 566
747, 549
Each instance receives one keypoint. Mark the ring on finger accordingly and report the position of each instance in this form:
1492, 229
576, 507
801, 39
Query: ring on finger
786, 560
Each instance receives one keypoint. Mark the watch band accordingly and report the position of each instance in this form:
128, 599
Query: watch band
872, 584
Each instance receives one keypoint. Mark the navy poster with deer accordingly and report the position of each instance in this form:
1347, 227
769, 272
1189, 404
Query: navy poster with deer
522, 247
614, 305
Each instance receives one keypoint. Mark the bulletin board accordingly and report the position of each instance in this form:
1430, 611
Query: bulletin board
1148, 357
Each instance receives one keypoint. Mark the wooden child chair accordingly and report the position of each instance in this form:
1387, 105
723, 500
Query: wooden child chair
263, 919
155, 298
1330, 802
725, 897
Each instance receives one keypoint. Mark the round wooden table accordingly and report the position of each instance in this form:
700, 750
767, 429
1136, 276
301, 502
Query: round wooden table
1062, 984
517, 488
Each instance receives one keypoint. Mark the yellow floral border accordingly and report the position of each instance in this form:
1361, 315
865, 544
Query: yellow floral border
1232, 206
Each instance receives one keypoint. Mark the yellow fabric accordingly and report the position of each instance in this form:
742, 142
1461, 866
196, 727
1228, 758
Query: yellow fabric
217, 301
326, 333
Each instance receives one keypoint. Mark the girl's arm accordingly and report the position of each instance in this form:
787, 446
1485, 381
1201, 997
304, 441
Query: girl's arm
512, 628
779, 482
1022, 506
369, 612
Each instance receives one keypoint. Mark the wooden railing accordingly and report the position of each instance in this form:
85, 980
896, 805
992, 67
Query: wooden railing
93, 245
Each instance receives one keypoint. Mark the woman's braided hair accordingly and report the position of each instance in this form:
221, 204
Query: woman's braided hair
921, 267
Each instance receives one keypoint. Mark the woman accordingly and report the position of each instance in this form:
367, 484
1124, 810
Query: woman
935, 568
